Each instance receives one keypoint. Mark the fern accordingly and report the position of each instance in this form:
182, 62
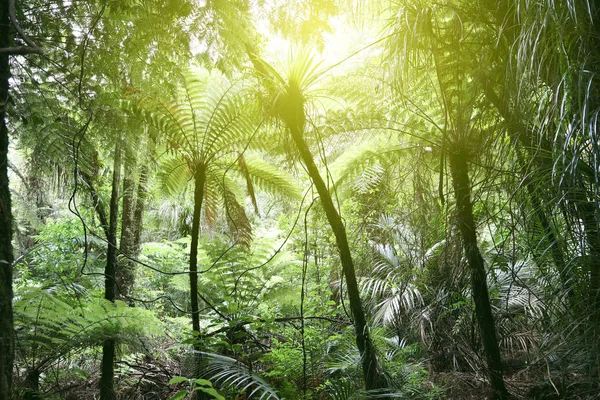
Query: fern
48, 327
355, 161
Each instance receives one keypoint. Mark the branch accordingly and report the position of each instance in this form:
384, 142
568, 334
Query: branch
21, 50
31, 47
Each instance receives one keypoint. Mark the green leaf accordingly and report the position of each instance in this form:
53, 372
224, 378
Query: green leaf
179, 395
178, 379
212, 392
203, 382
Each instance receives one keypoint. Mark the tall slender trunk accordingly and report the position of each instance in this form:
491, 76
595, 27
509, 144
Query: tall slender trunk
373, 375
483, 310
107, 390
138, 214
199, 180
127, 242
7, 340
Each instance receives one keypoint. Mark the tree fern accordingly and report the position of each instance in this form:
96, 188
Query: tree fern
48, 326
210, 120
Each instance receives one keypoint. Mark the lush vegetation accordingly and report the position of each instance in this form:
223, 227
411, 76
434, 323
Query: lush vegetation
322, 199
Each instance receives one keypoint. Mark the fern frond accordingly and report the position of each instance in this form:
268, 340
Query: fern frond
237, 219
174, 175
355, 160
50, 327
270, 178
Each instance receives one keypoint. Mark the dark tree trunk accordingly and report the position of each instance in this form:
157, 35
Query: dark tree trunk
199, 180
373, 375
107, 390
127, 246
7, 341
32, 385
483, 310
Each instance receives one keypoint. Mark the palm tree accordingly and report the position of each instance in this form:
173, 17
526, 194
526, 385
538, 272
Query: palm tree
207, 128
289, 96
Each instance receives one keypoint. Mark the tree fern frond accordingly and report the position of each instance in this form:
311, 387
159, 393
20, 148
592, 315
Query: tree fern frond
174, 175
237, 219
243, 168
45, 323
270, 179
354, 161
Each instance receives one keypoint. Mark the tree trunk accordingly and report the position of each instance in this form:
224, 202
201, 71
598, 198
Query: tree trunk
127, 243
138, 214
483, 309
374, 378
107, 390
7, 341
199, 180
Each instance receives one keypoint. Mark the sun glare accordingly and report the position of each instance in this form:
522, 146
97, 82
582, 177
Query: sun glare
344, 46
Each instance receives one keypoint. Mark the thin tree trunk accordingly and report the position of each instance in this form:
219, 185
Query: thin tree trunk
374, 378
107, 390
483, 309
138, 214
199, 180
7, 340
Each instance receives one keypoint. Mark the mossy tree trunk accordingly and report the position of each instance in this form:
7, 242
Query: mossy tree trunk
199, 181
127, 246
138, 213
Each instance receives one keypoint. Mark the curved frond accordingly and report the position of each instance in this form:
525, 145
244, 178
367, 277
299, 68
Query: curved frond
210, 115
270, 178
174, 175
227, 372
354, 161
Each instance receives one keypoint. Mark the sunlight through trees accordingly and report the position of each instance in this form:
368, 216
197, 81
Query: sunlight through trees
321, 199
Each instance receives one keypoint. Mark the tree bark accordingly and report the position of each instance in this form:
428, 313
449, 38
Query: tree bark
107, 390
138, 214
199, 181
127, 243
7, 341
373, 375
483, 310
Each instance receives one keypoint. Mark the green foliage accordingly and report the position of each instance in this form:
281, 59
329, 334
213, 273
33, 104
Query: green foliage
194, 385
51, 325
210, 120
235, 376
510, 86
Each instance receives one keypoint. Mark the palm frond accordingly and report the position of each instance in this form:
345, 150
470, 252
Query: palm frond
227, 372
